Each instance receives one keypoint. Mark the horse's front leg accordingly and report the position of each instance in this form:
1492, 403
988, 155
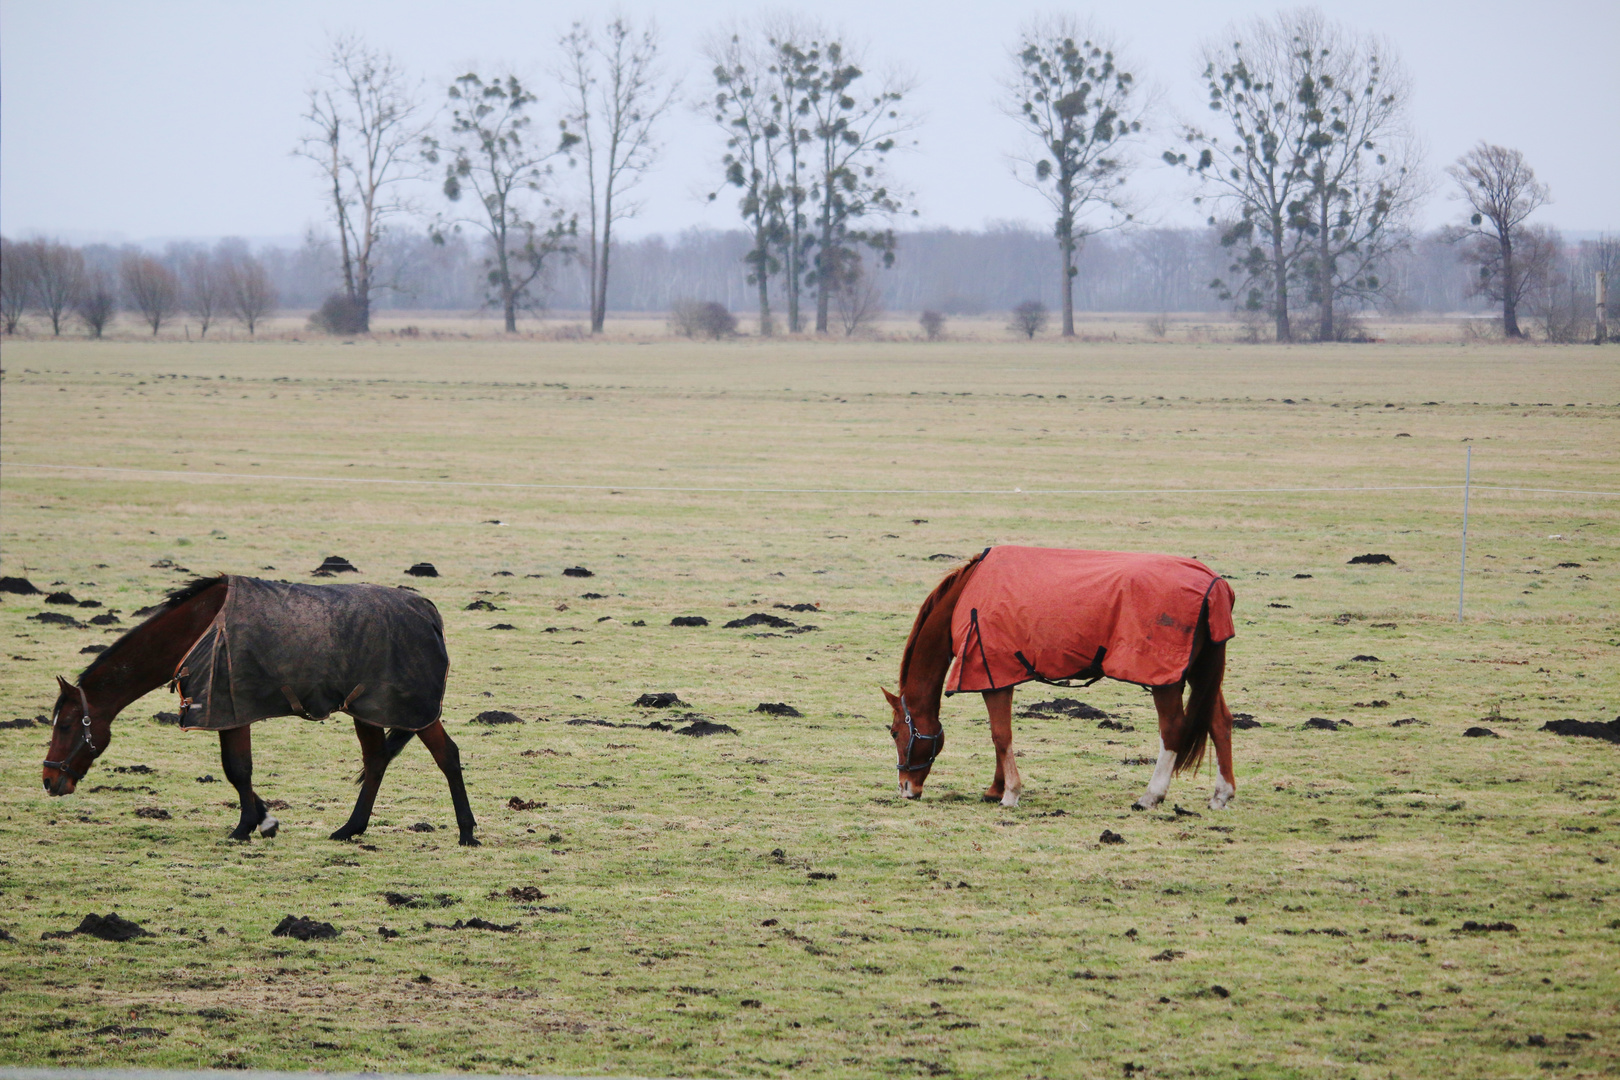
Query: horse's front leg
444, 751
1172, 718
236, 756
1220, 733
1008, 785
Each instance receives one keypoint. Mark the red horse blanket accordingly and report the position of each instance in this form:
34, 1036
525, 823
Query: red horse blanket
1046, 613
277, 649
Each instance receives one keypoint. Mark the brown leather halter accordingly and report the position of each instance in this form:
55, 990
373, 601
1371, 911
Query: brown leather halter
936, 741
80, 745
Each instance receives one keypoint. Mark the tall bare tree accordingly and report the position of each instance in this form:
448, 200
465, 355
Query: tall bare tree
202, 286
98, 303
16, 282
58, 273
491, 153
249, 295
1361, 164
1258, 173
617, 94
1502, 191
795, 73
854, 126
1079, 108
151, 287
365, 123
742, 107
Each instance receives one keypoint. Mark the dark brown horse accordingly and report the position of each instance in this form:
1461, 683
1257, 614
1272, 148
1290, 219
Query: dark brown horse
1013, 615
168, 648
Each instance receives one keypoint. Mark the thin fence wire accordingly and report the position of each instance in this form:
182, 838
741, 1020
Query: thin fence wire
200, 474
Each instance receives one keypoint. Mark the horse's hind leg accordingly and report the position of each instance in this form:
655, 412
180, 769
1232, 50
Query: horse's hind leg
444, 751
1167, 699
236, 756
1220, 733
376, 751
1008, 785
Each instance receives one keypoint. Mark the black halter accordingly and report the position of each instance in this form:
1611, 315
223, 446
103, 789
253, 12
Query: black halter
937, 740
80, 745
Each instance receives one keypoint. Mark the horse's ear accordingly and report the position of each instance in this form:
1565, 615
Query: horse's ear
893, 701
63, 685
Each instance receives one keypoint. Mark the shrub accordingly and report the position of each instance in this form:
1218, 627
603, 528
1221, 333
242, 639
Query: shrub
1029, 318
932, 323
339, 314
701, 318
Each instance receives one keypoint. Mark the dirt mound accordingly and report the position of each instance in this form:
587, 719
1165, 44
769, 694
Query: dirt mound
1243, 721
517, 802
422, 569
423, 826
1109, 836
1066, 707
19, 585
689, 620
496, 716
1322, 723
577, 571
759, 618
56, 618
503, 626
1406, 721
1365, 658
411, 900
109, 619
473, 924
1114, 725
1587, 729
23, 721
1480, 733
1302, 577
93, 650
61, 598
154, 813
592, 596
108, 927
699, 728
336, 564
304, 929
943, 557
661, 700
797, 607
777, 708
528, 894
1472, 927
166, 718
482, 605
1371, 560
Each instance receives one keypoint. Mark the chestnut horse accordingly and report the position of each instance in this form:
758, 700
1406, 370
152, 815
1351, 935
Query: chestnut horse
1183, 728
151, 654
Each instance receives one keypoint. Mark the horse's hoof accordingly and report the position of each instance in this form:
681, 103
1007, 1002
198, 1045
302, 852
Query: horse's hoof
1010, 801
470, 841
268, 827
991, 796
1146, 802
241, 835
344, 833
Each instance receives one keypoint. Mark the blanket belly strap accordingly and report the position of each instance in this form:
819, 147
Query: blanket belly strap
298, 706
1093, 669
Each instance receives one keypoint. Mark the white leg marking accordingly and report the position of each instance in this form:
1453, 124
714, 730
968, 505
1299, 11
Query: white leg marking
1012, 784
1223, 795
268, 826
1161, 779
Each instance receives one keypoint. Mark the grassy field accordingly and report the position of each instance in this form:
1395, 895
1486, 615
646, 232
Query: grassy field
1314, 929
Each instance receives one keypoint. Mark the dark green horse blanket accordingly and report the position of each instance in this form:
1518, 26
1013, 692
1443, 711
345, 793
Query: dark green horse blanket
277, 649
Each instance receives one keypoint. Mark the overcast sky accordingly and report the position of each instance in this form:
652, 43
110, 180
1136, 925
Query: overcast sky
162, 119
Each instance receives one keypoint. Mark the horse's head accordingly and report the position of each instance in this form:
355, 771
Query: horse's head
917, 741
77, 739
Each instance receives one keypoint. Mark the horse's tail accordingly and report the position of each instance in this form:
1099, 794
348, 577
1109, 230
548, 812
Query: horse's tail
1204, 677
392, 745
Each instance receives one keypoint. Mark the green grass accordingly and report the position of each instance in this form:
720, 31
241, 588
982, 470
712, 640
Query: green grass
1354, 856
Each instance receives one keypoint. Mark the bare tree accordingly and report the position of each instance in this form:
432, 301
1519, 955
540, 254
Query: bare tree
365, 125
1258, 174
152, 288
742, 107
98, 304
1029, 318
249, 295
17, 266
58, 273
1501, 190
854, 126
617, 94
932, 323
1079, 108
794, 73
490, 153
1361, 164
856, 297
203, 287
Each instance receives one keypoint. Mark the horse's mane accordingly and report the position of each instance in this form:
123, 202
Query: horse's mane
189, 591
945, 585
